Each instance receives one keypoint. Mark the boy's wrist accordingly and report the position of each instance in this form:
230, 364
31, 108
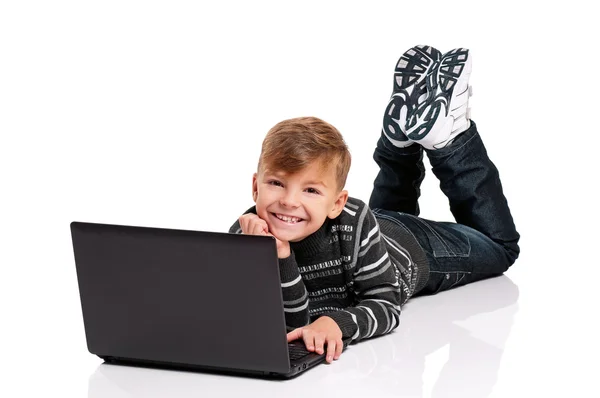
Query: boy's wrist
344, 322
283, 249
284, 253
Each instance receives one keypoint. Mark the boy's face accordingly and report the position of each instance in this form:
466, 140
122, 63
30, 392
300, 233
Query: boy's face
296, 205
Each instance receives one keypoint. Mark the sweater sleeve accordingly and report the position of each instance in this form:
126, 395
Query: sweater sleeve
377, 288
293, 290
295, 296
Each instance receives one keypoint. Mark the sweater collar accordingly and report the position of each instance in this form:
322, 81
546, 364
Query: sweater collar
313, 244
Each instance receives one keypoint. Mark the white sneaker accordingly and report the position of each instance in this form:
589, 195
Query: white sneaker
410, 90
445, 113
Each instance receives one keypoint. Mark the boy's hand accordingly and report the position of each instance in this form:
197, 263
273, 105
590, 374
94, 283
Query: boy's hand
322, 331
252, 224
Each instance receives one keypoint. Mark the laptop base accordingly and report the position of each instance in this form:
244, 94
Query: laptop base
310, 361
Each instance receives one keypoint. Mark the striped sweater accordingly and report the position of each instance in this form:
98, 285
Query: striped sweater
348, 270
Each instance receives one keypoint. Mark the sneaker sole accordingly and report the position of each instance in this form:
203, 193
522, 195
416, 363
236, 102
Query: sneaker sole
413, 66
445, 81
409, 86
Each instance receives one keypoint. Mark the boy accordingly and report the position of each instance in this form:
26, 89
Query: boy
347, 268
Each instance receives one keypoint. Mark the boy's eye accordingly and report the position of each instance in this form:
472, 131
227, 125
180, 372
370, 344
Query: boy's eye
275, 183
312, 190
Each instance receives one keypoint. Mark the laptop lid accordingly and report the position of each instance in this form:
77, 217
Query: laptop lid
204, 299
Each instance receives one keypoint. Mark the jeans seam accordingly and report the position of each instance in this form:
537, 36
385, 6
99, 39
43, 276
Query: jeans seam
443, 242
458, 280
439, 238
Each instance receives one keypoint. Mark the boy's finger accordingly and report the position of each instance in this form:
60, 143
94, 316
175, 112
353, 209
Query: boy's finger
294, 334
339, 347
244, 218
265, 226
331, 350
245, 224
259, 226
309, 341
257, 229
319, 343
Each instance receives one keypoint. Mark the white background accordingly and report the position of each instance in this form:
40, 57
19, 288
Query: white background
152, 113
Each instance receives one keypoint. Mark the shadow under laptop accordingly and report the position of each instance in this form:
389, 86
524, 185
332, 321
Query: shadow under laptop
450, 344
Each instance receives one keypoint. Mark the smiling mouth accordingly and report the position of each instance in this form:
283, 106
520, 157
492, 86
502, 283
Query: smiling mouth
288, 219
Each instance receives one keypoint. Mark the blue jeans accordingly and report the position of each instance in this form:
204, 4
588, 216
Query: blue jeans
483, 242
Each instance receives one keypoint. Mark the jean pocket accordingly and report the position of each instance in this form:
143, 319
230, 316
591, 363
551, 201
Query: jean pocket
446, 239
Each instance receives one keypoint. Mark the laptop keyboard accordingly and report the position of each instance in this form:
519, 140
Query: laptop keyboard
297, 351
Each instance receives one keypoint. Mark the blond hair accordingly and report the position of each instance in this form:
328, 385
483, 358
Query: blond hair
293, 144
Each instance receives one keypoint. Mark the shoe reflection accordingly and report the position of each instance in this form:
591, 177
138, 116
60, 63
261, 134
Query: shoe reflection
450, 344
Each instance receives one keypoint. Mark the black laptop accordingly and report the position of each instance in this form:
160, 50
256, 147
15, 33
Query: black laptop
184, 299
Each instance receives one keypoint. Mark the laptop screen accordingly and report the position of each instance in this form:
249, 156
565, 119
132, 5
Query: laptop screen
190, 297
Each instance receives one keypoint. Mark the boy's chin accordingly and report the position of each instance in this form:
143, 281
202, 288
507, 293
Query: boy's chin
287, 236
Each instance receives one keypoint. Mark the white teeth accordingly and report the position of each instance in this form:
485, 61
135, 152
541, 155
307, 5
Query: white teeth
292, 220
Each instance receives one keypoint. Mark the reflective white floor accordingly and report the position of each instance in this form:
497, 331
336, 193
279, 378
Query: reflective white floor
461, 343
452, 342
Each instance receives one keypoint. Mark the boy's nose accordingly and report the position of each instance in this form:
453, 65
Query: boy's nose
289, 199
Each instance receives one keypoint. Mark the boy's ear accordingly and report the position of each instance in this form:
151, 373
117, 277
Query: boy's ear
339, 204
254, 187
